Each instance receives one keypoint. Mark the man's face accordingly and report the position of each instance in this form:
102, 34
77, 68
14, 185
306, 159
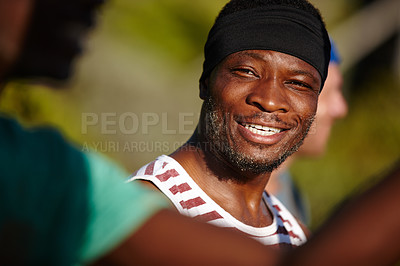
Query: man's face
259, 107
55, 37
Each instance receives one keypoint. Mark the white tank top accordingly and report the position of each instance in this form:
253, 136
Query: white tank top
190, 200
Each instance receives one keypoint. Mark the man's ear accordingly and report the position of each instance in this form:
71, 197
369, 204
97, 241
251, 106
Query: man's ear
204, 89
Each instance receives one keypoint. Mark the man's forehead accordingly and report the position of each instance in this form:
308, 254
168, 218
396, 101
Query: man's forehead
264, 55
279, 28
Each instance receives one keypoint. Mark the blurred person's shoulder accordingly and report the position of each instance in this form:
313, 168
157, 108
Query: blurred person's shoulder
37, 150
44, 184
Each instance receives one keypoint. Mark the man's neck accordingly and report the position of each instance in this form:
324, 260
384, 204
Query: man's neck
240, 193
274, 185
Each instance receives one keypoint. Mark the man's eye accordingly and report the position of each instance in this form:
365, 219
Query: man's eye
244, 71
299, 84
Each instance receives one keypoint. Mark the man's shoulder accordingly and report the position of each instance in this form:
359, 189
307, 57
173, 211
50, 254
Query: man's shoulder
162, 165
158, 175
163, 174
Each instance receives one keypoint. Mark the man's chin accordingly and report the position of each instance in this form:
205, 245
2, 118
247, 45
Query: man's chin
255, 165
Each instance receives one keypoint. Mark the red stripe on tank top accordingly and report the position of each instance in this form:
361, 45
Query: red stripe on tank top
188, 204
285, 221
282, 230
181, 188
209, 216
167, 175
293, 235
277, 208
150, 168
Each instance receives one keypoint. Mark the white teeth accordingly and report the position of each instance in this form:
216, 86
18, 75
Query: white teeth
262, 130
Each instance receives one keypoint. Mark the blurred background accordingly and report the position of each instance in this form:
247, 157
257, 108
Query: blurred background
134, 95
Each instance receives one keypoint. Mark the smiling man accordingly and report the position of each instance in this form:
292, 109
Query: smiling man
265, 64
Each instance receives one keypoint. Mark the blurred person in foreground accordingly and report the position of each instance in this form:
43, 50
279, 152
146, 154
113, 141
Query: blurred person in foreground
60, 206
331, 106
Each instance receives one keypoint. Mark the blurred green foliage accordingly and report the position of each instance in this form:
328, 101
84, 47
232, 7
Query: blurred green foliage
144, 60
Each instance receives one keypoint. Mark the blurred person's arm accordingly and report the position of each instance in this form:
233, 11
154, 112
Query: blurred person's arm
364, 232
43, 196
168, 238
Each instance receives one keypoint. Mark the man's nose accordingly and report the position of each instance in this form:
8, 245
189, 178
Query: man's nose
269, 96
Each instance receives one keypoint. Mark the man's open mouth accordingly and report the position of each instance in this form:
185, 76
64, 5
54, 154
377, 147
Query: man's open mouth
262, 130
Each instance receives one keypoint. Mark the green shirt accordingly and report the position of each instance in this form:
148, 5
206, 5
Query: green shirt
60, 206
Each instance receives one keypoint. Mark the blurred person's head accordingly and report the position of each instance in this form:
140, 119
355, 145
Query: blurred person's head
53, 38
14, 15
331, 106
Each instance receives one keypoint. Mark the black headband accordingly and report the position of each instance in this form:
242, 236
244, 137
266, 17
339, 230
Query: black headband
278, 28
